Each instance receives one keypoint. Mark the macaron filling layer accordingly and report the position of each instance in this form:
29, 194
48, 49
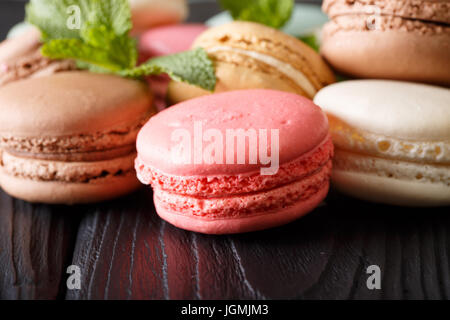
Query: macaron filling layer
237, 184
80, 143
365, 152
247, 203
359, 23
389, 168
68, 172
285, 68
349, 138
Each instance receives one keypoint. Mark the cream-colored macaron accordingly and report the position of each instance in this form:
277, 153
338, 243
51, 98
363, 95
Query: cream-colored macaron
150, 13
392, 140
250, 55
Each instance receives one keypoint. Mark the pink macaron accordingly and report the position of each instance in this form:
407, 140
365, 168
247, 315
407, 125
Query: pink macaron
237, 161
169, 39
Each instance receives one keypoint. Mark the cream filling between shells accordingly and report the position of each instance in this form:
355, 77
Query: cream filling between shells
295, 75
349, 138
390, 168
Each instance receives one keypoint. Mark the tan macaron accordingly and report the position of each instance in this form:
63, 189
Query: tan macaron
389, 39
70, 137
250, 55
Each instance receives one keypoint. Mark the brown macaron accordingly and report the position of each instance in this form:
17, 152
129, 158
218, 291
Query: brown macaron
389, 39
70, 137
249, 55
21, 58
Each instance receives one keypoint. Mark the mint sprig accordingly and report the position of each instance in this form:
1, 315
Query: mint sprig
187, 67
273, 13
103, 44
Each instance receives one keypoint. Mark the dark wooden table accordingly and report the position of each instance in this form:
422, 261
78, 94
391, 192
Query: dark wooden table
125, 251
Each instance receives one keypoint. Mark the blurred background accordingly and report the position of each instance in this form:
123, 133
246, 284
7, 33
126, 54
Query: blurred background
12, 12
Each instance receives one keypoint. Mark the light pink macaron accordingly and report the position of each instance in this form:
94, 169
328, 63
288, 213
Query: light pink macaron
237, 161
169, 39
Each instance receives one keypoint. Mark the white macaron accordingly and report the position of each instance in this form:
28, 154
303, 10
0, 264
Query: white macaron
392, 140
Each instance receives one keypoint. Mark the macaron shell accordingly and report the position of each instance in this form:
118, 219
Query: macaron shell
243, 224
169, 39
396, 109
71, 103
68, 193
371, 187
151, 13
22, 44
302, 126
375, 53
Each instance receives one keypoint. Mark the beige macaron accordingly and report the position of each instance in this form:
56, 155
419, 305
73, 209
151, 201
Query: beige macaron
249, 55
392, 140
70, 137
389, 39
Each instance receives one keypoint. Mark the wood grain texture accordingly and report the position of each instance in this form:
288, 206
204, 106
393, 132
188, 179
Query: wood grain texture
126, 252
36, 243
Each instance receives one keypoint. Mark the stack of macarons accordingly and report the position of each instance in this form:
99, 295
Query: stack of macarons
260, 150
391, 137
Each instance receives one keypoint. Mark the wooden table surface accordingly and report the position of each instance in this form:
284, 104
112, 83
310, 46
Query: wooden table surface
125, 251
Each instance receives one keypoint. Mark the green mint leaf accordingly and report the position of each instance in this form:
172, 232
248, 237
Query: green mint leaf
102, 33
193, 67
273, 13
51, 17
78, 50
112, 13
311, 40
122, 49
101, 43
